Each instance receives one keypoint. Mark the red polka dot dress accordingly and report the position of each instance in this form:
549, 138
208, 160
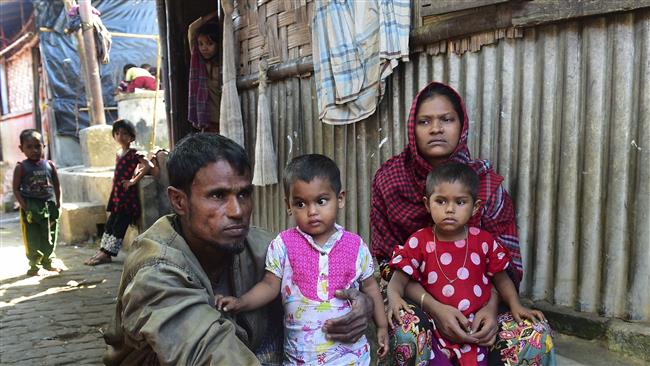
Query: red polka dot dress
124, 200
454, 273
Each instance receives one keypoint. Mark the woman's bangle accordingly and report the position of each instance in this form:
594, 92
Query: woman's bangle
422, 300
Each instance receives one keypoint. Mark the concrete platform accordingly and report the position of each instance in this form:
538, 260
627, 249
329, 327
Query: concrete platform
84, 184
79, 221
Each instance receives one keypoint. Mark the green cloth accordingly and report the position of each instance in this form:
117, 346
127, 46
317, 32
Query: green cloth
40, 224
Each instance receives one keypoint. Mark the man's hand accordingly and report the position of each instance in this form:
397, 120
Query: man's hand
453, 325
228, 303
351, 326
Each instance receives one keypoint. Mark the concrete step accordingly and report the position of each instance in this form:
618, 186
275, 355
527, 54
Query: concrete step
84, 184
79, 221
573, 351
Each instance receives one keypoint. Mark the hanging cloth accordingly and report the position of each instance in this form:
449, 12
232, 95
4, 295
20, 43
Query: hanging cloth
357, 44
230, 120
103, 39
266, 167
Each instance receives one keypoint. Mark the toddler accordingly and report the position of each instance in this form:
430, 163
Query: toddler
37, 190
309, 263
453, 262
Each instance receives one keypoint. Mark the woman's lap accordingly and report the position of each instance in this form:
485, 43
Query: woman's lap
411, 342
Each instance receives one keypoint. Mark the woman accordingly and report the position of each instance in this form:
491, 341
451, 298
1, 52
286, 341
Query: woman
437, 134
205, 74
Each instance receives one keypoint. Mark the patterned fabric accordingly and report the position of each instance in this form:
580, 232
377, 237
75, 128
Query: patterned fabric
398, 187
114, 232
357, 44
197, 100
411, 342
124, 200
526, 343
304, 341
455, 274
36, 179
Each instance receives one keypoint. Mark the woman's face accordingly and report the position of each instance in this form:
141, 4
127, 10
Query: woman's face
437, 129
207, 47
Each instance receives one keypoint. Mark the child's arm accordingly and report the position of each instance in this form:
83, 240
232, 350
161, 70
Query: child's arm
396, 302
145, 166
369, 287
18, 174
509, 295
57, 186
261, 294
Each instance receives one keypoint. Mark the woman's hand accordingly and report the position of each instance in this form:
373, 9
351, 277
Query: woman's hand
485, 327
519, 313
382, 340
395, 304
453, 325
351, 326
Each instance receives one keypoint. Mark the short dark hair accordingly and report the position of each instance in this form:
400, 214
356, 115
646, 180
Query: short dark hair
310, 166
211, 30
126, 68
453, 172
145, 66
437, 89
30, 133
197, 150
125, 125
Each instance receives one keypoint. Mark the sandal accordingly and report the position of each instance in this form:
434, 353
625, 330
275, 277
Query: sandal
97, 259
32, 271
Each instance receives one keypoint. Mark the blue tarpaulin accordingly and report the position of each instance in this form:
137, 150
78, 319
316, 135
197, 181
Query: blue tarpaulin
61, 59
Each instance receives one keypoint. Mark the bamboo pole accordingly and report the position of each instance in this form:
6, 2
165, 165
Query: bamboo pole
94, 81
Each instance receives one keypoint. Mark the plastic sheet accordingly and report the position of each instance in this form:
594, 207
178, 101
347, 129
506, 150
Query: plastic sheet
61, 61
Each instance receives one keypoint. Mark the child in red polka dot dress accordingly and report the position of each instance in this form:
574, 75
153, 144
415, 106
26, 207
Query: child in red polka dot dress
454, 263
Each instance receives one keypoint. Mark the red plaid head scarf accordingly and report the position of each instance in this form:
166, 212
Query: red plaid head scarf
397, 210
197, 100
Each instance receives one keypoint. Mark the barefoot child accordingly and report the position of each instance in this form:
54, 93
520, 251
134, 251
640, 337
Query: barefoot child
37, 190
309, 263
454, 262
123, 203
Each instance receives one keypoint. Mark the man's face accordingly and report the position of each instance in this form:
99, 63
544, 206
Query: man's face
219, 208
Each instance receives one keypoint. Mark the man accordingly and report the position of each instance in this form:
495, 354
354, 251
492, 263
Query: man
165, 307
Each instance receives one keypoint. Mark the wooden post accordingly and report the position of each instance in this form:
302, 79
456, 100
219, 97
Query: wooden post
97, 111
82, 61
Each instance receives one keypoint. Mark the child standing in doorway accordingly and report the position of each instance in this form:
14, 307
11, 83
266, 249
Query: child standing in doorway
123, 203
307, 264
37, 190
454, 263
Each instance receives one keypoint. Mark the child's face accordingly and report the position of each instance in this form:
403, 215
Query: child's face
451, 206
122, 137
32, 148
437, 129
207, 47
314, 205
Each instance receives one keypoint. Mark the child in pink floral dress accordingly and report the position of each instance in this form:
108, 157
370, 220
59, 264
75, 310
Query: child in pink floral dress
454, 263
309, 263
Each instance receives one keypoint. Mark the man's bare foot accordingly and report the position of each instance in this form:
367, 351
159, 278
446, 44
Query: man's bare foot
99, 258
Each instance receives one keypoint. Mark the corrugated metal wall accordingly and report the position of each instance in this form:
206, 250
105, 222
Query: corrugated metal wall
564, 115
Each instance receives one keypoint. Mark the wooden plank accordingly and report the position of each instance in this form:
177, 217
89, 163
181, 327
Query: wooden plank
305, 50
284, 44
273, 41
261, 19
546, 11
252, 31
436, 7
448, 26
285, 18
244, 58
272, 8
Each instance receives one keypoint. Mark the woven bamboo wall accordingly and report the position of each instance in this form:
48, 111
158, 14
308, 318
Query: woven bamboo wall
277, 30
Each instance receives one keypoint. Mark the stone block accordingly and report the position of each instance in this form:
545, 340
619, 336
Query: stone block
82, 184
631, 339
79, 221
97, 146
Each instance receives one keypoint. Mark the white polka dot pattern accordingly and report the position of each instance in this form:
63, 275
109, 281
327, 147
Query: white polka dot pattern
413, 243
448, 290
485, 280
423, 266
463, 305
465, 348
460, 243
431, 246
480, 357
432, 278
474, 230
462, 273
415, 263
397, 259
485, 247
408, 270
445, 259
475, 258
501, 255
477, 291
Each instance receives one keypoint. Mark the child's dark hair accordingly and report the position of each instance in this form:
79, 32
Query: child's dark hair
310, 166
145, 66
211, 30
454, 172
30, 133
126, 68
195, 151
125, 125
437, 89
